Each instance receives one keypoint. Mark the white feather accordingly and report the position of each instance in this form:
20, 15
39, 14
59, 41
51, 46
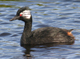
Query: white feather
26, 13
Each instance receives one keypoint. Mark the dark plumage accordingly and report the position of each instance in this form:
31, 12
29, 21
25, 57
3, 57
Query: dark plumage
41, 35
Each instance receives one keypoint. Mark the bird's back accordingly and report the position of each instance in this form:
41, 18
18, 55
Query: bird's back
50, 35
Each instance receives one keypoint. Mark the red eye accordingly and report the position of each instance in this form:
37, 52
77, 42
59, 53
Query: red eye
20, 15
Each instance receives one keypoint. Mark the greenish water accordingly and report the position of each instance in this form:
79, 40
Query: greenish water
54, 13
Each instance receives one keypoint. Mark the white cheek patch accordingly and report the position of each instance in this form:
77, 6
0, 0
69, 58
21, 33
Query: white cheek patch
26, 14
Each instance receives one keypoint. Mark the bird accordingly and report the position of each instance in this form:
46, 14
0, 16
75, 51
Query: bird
42, 35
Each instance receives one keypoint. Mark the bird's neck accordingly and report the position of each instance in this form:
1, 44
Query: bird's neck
26, 32
27, 29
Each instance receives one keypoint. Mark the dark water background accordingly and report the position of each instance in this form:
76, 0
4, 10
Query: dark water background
55, 13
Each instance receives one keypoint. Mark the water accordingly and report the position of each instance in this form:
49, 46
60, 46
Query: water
55, 13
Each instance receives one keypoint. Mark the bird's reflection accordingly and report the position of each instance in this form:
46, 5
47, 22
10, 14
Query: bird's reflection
28, 48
